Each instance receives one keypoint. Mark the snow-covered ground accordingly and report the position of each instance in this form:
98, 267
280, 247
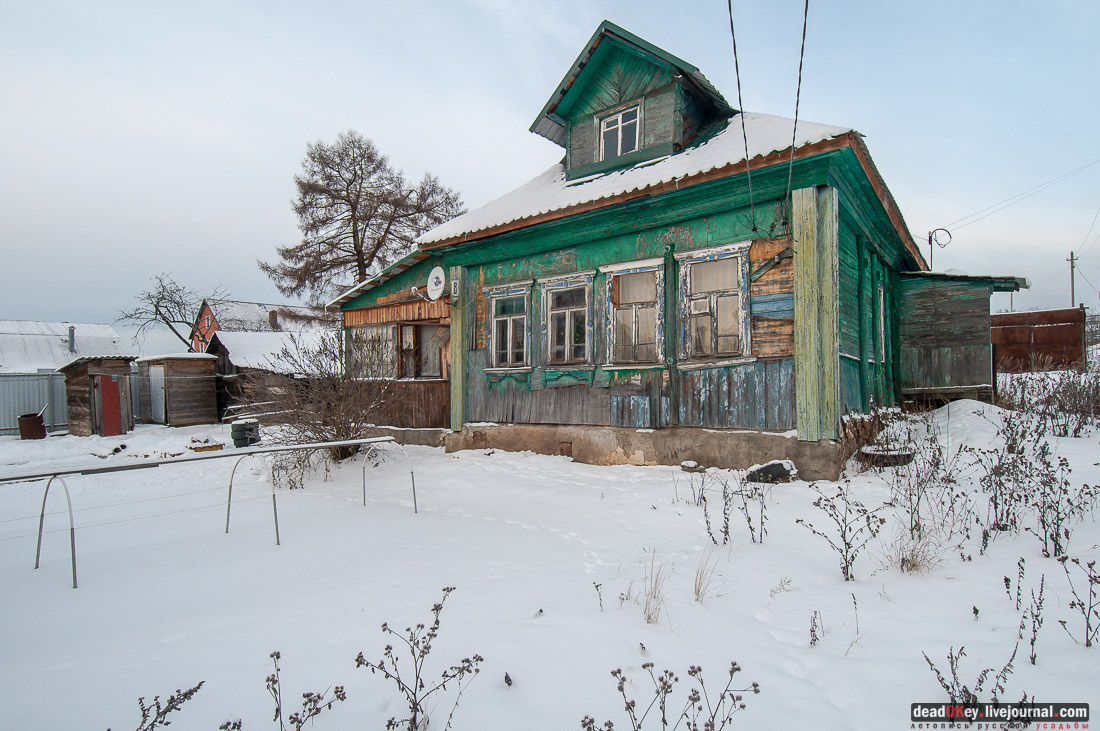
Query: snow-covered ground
167, 599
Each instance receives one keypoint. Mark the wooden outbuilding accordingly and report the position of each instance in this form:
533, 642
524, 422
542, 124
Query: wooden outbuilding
98, 392
178, 389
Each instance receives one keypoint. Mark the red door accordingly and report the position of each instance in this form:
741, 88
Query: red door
111, 422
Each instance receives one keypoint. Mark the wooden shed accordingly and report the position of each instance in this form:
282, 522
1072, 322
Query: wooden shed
98, 392
945, 338
178, 389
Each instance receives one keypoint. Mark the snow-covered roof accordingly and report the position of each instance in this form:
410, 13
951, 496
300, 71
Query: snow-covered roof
551, 191
27, 346
177, 356
260, 349
240, 316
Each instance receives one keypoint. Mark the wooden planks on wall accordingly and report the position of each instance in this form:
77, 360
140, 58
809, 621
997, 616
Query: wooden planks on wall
771, 299
409, 311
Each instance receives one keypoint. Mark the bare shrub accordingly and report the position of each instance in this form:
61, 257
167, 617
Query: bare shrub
935, 512
312, 703
701, 710
1057, 504
1086, 603
320, 400
958, 691
415, 685
750, 498
855, 525
156, 713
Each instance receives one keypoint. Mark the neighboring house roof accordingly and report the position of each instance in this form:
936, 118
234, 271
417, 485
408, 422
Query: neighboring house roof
27, 346
551, 191
240, 316
550, 122
260, 350
176, 356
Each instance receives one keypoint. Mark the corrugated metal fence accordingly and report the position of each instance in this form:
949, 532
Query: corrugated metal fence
27, 393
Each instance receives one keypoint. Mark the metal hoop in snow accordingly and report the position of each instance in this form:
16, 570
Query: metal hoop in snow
42, 520
412, 477
229, 500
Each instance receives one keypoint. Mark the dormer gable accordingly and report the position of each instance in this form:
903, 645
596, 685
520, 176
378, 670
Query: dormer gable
625, 101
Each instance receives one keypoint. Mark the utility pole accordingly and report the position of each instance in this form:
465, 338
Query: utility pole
1072, 295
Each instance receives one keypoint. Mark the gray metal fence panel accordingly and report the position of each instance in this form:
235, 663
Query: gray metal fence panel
136, 387
27, 393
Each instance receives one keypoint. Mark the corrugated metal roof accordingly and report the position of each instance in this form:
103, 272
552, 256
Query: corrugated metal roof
27, 346
551, 191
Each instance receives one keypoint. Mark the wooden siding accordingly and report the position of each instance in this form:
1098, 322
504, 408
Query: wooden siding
817, 387
771, 298
756, 395
415, 404
508, 398
190, 392
944, 335
1027, 341
412, 310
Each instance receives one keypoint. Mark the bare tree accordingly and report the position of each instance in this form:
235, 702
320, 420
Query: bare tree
169, 304
357, 215
318, 400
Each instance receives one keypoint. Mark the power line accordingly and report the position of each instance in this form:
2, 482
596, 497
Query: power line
797, 98
741, 113
996, 207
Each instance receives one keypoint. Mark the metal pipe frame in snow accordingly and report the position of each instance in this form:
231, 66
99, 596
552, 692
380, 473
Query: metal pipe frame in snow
42, 520
412, 477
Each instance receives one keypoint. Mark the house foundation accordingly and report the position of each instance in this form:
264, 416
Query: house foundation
603, 445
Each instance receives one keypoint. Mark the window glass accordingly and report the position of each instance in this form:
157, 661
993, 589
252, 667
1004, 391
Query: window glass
711, 276
624, 335
509, 306
647, 334
700, 335
502, 342
637, 287
557, 336
567, 298
579, 336
517, 340
728, 326
619, 133
429, 352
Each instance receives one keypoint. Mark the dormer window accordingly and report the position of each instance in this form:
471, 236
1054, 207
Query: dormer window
619, 133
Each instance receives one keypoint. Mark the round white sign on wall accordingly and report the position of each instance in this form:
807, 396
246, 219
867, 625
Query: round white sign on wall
436, 280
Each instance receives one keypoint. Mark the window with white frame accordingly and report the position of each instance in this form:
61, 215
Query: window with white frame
713, 286
634, 297
566, 302
619, 133
508, 324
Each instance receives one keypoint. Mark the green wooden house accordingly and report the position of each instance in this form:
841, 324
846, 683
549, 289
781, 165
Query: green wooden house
685, 284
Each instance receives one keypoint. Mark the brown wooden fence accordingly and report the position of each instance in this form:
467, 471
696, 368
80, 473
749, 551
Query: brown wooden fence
1030, 341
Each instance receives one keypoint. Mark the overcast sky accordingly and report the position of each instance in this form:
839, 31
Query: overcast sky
138, 138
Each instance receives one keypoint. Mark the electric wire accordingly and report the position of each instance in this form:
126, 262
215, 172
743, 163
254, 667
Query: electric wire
797, 99
741, 114
997, 207
1094, 289
138, 517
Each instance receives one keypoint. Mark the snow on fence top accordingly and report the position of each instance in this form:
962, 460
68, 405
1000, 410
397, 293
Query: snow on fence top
550, 191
